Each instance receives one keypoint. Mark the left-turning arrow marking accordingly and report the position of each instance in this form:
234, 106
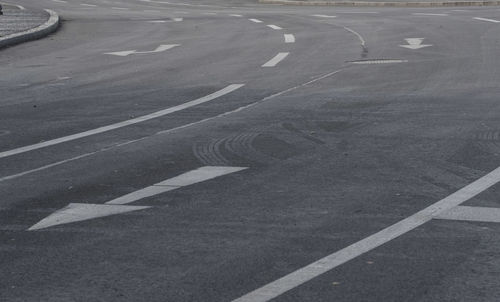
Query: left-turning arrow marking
125, 53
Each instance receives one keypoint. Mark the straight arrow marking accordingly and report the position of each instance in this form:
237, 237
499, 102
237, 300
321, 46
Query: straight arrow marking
83, 211
125, 53
415, 43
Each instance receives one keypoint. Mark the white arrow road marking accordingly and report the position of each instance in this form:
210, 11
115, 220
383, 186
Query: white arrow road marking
186, 179
274, 27
315, 269
324, 16
289, 38
480, 214
274, 61
415, 43
125, 53
83, 211
487, 20
133, 121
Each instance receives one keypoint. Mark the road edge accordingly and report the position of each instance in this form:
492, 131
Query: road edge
381, 4
32, 34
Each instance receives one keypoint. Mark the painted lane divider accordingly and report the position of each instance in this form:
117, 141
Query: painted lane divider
289, 38
324, 16
236, 15
118, 125
487, 20
74, 212
88, 5
60, 1
274, 61
430, 14
125, 53
274, 27
319, 267
165, 21
415, 43
255, 20
479, 214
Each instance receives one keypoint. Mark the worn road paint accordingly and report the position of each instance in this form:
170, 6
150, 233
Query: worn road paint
274, 61
82, 211
324, 16
118, 125
313, 270
186, 179
88, 5
480, 214
289, 38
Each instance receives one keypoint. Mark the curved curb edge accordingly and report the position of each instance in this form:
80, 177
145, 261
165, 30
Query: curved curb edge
32, 34
381, 4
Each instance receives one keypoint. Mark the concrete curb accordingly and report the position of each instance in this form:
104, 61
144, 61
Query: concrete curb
32, 34
381, 4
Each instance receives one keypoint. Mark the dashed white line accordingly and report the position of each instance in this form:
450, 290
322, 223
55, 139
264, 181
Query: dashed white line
487, 20
60, 1
315, 269
289, 38
120, 8
255, 20
88, 5
324, 16
235, 15
274, 27
152, 11
274, 61
133, 121
429, 14
177, 19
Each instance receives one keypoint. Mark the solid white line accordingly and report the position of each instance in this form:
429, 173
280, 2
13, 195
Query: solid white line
274, 27
183, 180
463, 213
289, 38
427, 14
88, 5
255, 20
488, 20
324, 16
133, 121
274, 61
298, 277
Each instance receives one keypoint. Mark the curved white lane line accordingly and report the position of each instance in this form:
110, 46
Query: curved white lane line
317, 268
133, 121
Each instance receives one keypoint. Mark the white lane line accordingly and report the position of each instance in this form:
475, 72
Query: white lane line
133, 121
119, 8
235, 15
88, 5
152, 11
60, 1
298, 277
353, 12
172, 130
324, 16
487, 20
177, 19
274, 27
255, 20
428, 14
157, 21
20, 7
368, 62
480, 214
183, 180
289, 38
274, 61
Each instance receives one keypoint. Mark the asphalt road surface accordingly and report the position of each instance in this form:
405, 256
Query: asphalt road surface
230, 151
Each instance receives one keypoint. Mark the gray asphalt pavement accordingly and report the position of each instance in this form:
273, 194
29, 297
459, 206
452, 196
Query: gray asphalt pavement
358, 128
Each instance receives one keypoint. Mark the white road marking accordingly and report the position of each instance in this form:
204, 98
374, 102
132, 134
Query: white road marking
125, 53
317, 268
88, 5
157, 21
487, 20
429, 14
289, 38
255, 20
119, 8
177, 19
353, 12
82, 211
361, 39
274, 61
186, 179
274, 27
324, 16
362, 62
152, 11
133, 121
235, 15
19, 6
480, 214
209, 13
415, 43
60, 1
